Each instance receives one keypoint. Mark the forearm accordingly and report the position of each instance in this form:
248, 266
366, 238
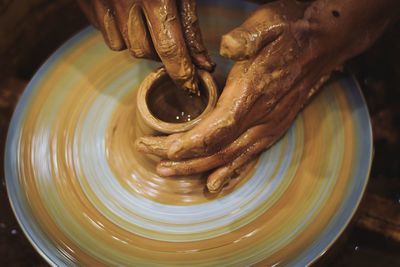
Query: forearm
347, 28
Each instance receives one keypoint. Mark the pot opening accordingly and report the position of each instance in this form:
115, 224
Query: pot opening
171, 104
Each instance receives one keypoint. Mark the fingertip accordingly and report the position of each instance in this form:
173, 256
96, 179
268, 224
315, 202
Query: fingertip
214, 188
218, 179
203, 61
233, 45
140, 146
215, 185
246, 41
109, 28
164, 171
191, 85
155, 145
209, 65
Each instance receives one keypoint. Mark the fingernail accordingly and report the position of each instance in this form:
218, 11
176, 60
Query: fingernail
115, 40
215, 185
211, 65
191, 86
203, 61
165, 171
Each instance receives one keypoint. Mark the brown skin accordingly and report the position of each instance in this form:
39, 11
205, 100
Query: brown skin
166, 30
294, 47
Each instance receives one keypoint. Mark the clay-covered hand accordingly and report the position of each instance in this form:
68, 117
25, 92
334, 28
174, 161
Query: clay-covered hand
286, 49
166, 30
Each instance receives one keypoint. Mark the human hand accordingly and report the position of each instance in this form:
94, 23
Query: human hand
286, 54
165, 30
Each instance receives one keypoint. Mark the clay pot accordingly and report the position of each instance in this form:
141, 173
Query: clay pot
162, 108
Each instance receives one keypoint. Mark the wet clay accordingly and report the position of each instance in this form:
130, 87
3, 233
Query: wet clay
163, 108
169, 103
137, 173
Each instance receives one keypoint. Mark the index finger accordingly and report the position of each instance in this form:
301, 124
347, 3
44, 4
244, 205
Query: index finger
192, 33
166, 32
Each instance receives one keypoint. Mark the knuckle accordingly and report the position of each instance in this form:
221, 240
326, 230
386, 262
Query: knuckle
185, 170
167, 47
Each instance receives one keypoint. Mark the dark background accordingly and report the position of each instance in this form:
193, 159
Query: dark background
30, 30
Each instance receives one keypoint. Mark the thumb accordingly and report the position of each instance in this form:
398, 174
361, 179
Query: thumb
263, 26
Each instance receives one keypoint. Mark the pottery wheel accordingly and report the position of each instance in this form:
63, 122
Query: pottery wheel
84, 196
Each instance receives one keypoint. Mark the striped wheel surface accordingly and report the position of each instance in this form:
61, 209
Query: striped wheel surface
84, 196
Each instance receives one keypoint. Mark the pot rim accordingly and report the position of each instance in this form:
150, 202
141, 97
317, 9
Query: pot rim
155, 123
